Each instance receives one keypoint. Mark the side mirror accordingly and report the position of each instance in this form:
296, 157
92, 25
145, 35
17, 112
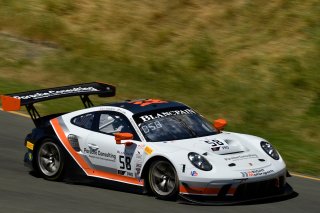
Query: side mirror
123, 136
219, 124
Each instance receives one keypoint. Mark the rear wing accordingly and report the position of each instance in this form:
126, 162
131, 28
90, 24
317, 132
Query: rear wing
14, 101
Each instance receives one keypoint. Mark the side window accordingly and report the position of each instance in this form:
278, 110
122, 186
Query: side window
113, 122
84, 121
107, 123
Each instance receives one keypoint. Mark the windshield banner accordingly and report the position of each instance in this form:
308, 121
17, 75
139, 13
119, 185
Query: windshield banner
155, 115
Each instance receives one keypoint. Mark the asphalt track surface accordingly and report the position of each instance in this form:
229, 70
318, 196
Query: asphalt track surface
20, 191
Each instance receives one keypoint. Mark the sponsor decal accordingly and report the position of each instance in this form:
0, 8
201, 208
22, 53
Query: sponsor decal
126, 173
241, 157
194, 173
130, 174
138, 155
138, 169
165, 114
126, 152
215, 149
141, 145
256, 172
29, 145
121, 172
52, 93
96, 153
148, 150
139, 159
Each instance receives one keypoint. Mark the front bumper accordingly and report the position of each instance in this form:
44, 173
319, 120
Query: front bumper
284, 193
236, 190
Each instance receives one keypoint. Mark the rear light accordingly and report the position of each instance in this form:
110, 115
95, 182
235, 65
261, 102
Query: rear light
73, 140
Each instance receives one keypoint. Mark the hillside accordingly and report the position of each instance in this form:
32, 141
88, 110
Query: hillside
255, 63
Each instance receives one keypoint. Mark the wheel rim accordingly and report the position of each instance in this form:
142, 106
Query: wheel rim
163, 178
49, 158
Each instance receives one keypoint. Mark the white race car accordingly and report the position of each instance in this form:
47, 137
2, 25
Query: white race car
164, 147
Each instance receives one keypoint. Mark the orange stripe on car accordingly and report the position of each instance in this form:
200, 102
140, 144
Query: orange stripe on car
83, 164
64, 140
198, 190
231, 191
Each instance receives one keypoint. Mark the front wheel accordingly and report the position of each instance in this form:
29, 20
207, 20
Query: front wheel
50, 160
163, 180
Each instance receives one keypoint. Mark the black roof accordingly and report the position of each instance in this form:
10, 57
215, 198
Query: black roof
145, 105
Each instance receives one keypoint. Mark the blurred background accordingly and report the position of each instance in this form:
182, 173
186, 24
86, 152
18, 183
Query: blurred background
255, 63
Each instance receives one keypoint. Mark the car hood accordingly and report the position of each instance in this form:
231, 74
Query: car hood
220, 144
225, 149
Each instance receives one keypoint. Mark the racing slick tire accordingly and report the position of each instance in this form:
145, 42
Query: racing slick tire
50, 160
163, 180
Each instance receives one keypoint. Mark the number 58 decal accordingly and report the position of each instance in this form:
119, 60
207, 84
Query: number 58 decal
125, 162
215, 143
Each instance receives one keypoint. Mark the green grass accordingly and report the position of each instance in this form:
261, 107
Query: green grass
255, 63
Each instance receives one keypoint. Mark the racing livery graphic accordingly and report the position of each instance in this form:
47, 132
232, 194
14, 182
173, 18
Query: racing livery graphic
163, 147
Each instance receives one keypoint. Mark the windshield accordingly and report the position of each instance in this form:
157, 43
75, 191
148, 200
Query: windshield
173, 124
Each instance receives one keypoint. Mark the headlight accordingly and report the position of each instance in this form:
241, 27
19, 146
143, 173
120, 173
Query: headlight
268, 148
199, 161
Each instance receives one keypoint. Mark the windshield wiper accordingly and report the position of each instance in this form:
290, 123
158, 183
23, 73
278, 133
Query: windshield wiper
193, 133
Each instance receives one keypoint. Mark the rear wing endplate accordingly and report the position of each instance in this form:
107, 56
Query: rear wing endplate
14, 101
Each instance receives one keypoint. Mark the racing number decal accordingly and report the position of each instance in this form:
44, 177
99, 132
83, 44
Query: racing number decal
125, 162
215, 143
151, 126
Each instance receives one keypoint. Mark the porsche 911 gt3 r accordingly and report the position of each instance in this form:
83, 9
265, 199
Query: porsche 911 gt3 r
165, 147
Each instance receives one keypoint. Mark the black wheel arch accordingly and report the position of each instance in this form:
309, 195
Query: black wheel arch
39, 134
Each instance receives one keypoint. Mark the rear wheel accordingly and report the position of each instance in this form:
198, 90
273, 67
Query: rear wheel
163, 180
50, 160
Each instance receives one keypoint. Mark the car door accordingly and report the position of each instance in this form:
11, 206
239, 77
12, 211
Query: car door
101, 149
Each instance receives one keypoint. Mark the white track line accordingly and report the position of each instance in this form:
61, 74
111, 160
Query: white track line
304, 176
16, 113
